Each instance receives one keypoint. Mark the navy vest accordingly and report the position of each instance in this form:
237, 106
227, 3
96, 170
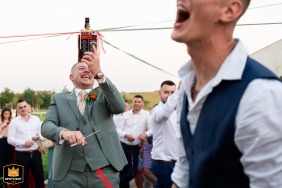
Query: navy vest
214, 160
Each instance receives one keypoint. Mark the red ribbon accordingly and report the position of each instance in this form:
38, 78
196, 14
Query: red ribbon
103, 178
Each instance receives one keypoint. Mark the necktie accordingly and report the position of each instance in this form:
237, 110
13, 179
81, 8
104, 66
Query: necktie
81, 103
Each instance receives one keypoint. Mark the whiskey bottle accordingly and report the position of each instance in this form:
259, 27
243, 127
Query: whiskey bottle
86, 39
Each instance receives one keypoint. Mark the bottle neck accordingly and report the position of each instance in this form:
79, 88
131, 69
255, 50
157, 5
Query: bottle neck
87, 29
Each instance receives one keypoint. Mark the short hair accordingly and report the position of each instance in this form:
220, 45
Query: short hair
139, 96
21, 100
168, 82
246, 4
74, 65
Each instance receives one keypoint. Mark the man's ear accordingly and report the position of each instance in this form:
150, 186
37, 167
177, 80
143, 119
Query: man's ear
231, 11
71, 77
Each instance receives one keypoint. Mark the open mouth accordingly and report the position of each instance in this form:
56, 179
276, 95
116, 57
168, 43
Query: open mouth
182, 14
86, 76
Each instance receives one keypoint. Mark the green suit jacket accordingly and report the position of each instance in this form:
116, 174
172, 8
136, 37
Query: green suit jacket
63, 114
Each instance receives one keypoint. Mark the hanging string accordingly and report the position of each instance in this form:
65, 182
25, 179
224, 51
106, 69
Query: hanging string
139, 59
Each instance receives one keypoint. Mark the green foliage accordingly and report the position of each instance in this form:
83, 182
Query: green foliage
6, 97
45, 96
2, 185
42, 99
29, 95
45, 165
37, 99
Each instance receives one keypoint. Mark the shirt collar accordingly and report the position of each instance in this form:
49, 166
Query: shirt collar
20, 117
140, 112
231, 69
77, 90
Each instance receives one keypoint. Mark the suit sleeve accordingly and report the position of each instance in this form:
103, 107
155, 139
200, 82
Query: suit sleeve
50, 127
113, 97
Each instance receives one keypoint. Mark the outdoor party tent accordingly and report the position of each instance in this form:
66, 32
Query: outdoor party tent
271, 57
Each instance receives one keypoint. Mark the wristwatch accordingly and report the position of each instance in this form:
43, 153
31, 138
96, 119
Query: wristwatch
99, 75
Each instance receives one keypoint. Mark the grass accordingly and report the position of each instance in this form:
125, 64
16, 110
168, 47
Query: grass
45, 165
42, 116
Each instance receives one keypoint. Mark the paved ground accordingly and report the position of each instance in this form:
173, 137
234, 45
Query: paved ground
132, 184
147, 184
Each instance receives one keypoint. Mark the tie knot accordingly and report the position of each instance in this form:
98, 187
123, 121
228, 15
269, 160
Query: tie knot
82, 94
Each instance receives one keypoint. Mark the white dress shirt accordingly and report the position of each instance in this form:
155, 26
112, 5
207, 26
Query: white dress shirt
258, 133
21, 131
117, 119
134, 124
77, 91
164, 128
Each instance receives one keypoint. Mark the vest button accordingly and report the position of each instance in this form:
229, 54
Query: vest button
190, 151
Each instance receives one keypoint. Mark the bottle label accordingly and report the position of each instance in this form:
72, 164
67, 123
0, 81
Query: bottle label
86, 36
86, 41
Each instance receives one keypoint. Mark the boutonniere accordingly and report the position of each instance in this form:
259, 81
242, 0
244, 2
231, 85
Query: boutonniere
92, 95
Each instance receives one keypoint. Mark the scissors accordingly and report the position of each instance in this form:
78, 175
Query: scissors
86, 137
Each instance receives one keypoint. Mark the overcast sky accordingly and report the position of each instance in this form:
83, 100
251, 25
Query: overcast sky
44, 64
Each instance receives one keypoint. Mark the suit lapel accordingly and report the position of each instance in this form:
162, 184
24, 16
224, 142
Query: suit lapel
91, 106
73, 103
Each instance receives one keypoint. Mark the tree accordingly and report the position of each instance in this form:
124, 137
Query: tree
37, 101
29, 96
46, 97
6, 97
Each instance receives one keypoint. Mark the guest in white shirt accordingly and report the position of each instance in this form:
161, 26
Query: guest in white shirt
24, 133
164, 125
117, 118
132, 130
230, 105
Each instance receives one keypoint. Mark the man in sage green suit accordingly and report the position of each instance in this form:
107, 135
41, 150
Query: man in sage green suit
96, 160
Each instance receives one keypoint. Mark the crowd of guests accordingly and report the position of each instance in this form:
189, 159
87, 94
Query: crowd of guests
6, 150
226, 132
133, 126
20, 137
149, 139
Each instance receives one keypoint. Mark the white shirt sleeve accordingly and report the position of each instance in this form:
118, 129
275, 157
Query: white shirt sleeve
259, 133
12, 136
120, 126
163, 113
180, 174
148, 125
